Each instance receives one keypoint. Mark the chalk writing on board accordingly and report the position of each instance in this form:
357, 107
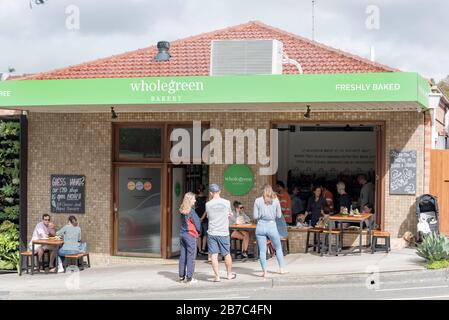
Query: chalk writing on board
67, 193
403, 172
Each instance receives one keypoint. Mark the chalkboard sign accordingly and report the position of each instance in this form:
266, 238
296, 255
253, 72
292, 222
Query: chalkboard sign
67, 193
402, 172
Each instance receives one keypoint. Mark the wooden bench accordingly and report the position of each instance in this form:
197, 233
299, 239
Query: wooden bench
79, 260
379, 234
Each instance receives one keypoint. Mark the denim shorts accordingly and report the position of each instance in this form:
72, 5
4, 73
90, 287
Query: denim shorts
218, 244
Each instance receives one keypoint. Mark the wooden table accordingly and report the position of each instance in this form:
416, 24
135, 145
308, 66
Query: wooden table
354, 218
243, 227
55, 242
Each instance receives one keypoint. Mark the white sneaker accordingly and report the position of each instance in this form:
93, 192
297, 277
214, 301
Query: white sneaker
60, 269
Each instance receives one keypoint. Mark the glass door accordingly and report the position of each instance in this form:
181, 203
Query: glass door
138, 210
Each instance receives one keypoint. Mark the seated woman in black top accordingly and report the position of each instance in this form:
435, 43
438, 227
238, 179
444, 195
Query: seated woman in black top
344, 200
315, 206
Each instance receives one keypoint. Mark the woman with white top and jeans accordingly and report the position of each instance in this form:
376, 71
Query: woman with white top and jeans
266, 209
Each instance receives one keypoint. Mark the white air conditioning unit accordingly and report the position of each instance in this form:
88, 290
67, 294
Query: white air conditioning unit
245, 57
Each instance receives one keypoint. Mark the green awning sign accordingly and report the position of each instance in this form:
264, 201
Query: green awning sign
307, 88
238, 179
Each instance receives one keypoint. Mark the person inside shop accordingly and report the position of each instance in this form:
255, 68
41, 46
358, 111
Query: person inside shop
366, 191
190, 225
315, 206
297, 206
285, 201
328, 197
240, 217
201, 200
343, 200
44, 230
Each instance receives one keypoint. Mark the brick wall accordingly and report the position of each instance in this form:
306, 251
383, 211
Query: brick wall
81, 144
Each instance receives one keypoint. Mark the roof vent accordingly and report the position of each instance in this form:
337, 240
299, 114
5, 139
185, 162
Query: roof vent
163, 54
246, 57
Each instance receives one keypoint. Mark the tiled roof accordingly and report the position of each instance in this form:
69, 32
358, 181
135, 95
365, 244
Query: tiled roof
191, 57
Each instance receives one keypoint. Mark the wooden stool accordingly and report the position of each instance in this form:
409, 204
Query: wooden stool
327, 243
316, 241
285, 240
27, 256
378, 234
79, 259
256, 249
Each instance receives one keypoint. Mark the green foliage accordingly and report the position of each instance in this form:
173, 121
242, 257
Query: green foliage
9, 128
442, 264
434, 248
9, 170
10, 213
9, 246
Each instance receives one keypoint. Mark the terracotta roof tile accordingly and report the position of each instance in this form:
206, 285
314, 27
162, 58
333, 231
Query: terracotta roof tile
191, 57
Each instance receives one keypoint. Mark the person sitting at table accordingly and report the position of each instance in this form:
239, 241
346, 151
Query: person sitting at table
71, 233
368, 208
315, 206
44, 230
239, 217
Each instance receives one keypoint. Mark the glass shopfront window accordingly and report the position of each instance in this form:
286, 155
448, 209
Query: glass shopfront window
140, 143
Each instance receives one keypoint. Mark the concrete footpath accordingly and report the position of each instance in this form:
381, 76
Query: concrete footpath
161, 275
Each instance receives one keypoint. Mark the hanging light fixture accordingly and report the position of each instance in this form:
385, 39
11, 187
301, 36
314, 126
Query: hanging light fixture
113, 114
308, 112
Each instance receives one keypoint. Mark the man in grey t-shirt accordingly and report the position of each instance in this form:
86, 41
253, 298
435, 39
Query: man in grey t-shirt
218, 212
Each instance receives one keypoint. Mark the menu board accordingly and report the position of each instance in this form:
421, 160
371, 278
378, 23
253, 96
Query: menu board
68, 193
403, 172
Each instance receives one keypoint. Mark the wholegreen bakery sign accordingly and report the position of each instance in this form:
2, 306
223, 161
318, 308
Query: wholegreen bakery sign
309, 88
238, 179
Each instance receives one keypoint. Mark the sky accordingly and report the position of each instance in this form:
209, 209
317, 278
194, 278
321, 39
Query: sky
409, 35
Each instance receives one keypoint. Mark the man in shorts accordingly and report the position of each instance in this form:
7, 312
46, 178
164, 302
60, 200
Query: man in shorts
43, 230
218, 212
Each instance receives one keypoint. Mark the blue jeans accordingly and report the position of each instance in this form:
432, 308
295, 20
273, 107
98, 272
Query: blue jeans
187, 256
62, 253
268, 230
